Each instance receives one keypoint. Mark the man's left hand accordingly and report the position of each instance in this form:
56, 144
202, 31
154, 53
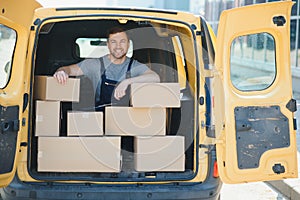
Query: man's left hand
120, 90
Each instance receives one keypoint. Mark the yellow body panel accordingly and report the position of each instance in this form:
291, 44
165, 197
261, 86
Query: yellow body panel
18, 84
239, 22
227, 97
45, 13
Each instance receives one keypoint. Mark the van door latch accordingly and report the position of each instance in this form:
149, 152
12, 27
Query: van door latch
278, 169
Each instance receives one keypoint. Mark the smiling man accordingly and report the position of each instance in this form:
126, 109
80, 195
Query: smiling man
111, 74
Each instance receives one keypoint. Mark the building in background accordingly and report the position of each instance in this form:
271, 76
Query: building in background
183, 5
130, 3
211, 10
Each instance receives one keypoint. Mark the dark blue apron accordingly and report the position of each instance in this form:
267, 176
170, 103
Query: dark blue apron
107, 89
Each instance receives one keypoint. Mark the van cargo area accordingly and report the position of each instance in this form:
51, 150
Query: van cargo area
190, 109
71, 140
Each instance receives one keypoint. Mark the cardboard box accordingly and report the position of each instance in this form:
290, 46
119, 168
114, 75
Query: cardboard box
47, 88
47, 119
155, 95
85, 123
79, 154
160, 153
128, 121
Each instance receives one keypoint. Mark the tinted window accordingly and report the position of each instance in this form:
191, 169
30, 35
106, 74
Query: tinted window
252, 62
95, 47
7, 46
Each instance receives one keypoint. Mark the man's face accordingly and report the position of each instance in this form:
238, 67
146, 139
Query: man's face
118, 45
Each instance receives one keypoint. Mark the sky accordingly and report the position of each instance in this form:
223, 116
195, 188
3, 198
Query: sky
95, 3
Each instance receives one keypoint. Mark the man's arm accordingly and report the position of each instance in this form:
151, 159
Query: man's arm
62, 74
148, 76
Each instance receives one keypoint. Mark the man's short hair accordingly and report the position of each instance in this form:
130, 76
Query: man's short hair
115, 30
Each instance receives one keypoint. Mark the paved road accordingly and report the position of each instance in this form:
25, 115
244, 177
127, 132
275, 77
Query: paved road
249, 191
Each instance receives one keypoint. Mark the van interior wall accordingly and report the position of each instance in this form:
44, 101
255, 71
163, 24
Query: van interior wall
56, 47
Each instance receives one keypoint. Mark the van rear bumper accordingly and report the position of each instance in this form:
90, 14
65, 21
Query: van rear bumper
209, 189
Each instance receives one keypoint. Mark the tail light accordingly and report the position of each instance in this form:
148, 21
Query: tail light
216, 171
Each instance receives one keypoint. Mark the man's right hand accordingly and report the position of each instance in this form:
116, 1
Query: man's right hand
61, 76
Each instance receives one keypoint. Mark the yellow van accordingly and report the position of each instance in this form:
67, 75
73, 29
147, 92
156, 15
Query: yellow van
232, 120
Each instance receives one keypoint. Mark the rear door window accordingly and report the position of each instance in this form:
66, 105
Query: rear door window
252, 63
95, 47
7, 45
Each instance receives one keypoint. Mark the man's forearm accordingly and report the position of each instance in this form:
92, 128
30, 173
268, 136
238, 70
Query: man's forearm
71, 70
148, 77
62, 74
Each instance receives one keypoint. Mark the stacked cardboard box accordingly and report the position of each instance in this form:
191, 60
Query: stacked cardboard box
147, 116
85, 124
48, 94
146, 121
79, 154
129, 121
160, 153
47, 118
47, 88
71, 154
155, 95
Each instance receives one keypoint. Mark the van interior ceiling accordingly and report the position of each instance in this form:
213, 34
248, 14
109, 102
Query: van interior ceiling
56, 47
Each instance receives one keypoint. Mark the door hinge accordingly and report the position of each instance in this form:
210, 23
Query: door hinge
209, 147
210, 129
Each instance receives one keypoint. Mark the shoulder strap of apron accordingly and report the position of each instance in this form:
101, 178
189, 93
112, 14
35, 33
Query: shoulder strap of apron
128, 74
98, 87
102, 68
